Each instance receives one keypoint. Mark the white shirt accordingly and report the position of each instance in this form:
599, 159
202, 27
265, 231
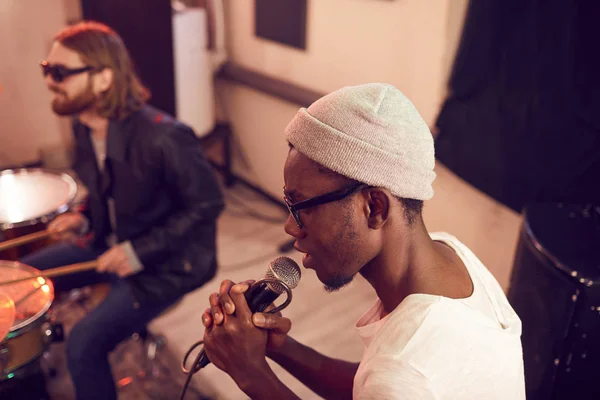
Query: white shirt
434, 347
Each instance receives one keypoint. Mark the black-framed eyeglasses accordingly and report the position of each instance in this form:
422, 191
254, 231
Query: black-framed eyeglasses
60, 72
318, 200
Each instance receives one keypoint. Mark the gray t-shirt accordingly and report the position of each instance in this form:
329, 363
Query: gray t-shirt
111, 240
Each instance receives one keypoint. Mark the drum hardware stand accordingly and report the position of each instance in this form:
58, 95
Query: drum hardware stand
53, 332
79, 297
150, 345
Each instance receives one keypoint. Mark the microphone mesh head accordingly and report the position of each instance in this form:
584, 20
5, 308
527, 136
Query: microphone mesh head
284, 269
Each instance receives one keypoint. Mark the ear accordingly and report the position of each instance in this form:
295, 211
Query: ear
103, 80
377, 207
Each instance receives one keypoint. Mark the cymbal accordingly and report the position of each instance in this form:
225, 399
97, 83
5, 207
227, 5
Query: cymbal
7, 315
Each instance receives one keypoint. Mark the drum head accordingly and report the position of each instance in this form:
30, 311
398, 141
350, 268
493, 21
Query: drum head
7, 315
31, 298
30, 196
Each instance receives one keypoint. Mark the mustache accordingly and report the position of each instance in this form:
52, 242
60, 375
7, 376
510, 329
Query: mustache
56, 90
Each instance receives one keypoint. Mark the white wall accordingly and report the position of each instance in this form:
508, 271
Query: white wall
259, 147
409, 43
27, 123
351, 42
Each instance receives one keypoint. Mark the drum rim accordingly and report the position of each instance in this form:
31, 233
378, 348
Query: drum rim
22, 371
31, 320
68, 178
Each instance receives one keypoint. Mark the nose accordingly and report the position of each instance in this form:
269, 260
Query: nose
292, 228
48, 80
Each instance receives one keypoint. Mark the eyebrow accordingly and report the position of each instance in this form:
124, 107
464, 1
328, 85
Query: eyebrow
293, 194
290, 192
60, 65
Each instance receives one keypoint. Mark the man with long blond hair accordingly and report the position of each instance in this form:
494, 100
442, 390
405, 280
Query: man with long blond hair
152, 206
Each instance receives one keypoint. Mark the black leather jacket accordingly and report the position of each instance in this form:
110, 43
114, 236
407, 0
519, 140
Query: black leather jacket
166, 199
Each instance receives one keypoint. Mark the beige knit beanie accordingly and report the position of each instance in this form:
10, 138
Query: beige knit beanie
371, 133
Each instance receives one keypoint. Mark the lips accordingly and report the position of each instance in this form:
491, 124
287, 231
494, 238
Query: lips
299, 249
306, 260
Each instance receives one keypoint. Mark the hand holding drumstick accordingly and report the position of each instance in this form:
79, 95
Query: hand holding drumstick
67, 227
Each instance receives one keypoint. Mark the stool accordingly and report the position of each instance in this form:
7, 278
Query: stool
150, 344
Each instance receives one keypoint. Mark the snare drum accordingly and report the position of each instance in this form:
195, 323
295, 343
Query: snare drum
31, 330
29, 199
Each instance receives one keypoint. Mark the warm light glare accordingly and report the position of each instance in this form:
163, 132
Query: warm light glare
9, 199
41, 280
46, 289
125, 381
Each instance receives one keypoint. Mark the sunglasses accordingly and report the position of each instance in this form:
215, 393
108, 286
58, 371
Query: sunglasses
318, 200
60, 72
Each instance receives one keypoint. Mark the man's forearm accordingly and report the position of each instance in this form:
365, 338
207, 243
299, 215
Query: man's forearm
265, 385
328, 377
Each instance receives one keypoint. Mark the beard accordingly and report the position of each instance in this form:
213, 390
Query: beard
64, 106
335, 283
345, 251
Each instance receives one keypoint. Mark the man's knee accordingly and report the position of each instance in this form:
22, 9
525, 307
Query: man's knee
85, 342
49, 257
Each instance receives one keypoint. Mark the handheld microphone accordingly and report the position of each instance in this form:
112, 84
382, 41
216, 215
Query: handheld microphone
283, 274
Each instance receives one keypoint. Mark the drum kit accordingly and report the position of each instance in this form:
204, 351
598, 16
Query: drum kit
29, 199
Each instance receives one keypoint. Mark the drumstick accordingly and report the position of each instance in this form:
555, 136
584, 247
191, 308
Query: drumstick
28, 295
51, 273
32, 237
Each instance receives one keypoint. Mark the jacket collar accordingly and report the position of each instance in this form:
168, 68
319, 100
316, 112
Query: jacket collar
117, 139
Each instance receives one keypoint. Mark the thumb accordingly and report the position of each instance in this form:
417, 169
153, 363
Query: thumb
54, 226
272, 322
270, 308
